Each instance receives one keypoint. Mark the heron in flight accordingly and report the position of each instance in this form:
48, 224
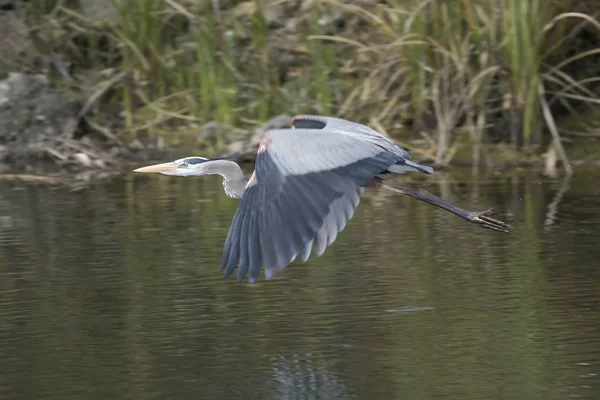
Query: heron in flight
306, 184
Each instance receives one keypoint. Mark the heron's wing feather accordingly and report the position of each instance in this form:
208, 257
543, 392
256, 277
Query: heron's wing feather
349, 128
289, 206
302, 151
338, 124
330, 123
340, 212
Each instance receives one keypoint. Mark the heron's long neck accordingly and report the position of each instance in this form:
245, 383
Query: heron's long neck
234, 181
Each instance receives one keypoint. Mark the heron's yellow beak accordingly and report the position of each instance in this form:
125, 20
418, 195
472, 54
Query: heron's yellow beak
161, 168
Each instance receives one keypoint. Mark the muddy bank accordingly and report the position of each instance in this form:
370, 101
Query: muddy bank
46, 130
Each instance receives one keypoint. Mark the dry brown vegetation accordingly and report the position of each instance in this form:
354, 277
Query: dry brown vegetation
429, 71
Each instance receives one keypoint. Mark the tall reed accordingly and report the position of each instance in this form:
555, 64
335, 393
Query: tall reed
449, 66
444, 68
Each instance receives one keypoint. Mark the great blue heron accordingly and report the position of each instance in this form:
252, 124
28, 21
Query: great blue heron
306, 184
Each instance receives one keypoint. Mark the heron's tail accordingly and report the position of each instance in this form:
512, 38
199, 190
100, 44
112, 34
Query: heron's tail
409, 166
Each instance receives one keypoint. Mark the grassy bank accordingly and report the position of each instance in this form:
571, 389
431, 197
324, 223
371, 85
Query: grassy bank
430, 72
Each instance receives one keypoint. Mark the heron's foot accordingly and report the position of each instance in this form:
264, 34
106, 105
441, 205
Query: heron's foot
482, 219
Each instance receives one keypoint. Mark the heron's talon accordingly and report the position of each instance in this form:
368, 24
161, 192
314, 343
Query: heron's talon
482, 219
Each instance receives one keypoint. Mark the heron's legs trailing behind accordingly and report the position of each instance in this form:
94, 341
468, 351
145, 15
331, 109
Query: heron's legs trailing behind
479, 218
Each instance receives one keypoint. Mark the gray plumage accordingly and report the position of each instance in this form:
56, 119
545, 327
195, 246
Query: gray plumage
306, 186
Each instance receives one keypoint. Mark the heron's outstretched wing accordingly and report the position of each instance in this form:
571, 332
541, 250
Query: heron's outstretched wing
332, 123
353, 128
307, 121
306, 186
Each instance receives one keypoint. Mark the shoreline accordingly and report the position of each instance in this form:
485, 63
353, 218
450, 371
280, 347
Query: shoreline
52, 174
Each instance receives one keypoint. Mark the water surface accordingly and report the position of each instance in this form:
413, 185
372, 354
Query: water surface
113, 292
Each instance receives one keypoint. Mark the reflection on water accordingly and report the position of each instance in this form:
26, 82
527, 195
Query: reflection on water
114, 292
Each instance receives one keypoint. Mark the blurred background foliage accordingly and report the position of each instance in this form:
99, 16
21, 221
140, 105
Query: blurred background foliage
440, 76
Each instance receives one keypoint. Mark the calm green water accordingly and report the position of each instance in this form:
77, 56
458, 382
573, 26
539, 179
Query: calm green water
113, 292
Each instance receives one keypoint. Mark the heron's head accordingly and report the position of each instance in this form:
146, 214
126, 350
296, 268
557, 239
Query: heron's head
189, 166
